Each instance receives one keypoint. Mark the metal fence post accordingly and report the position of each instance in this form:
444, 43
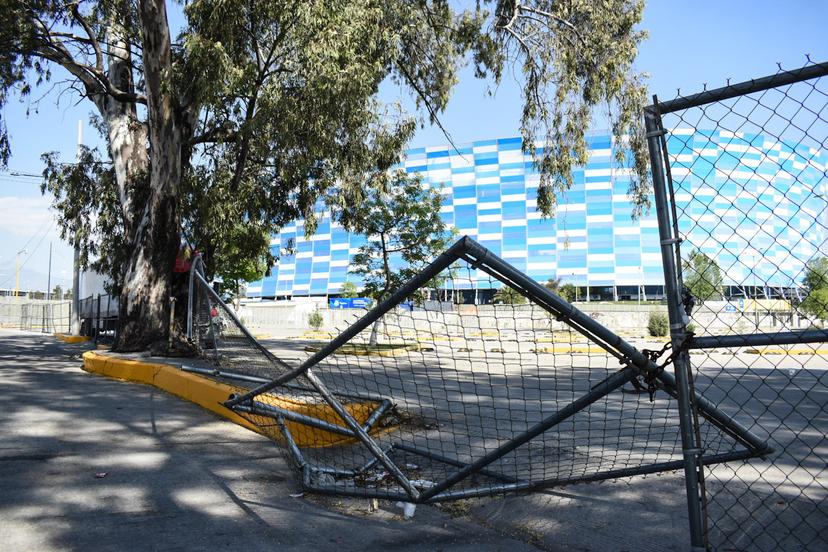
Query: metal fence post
98, 319
678, 328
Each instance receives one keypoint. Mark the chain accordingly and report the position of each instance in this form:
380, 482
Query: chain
653, 355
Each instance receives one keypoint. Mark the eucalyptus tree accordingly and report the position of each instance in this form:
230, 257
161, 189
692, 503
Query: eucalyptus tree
255, 109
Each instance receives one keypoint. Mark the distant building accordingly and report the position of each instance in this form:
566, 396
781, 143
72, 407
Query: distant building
740, 198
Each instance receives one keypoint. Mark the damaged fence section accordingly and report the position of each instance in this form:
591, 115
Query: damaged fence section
427, 406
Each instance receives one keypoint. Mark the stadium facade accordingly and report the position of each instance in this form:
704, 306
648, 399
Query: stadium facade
741, 201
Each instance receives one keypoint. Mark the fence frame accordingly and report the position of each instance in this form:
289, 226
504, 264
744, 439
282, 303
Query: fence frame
634, 363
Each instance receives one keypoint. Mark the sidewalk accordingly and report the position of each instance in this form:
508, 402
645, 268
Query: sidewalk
90, 463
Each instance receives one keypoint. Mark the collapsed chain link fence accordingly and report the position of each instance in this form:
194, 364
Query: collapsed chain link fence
748, 201
423, 403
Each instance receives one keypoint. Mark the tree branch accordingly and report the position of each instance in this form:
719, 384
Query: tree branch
432, 112
99, 64
568, 24
94, 79
217, 134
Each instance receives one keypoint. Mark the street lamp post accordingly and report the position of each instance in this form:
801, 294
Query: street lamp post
576, 287
17, 270
755, 295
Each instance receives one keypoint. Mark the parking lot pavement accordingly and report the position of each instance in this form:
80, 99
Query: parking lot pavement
90, 463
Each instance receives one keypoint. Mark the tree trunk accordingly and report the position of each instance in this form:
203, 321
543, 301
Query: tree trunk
372, 342
386, 269
127, 135
145, 296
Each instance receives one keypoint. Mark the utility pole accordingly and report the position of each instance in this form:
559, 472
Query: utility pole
45, 323
74, 323
49, 276
17, 271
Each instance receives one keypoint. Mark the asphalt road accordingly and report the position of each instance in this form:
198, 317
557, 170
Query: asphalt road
178, 478
89, 463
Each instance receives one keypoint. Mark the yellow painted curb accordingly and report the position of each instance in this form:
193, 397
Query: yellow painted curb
210, 394
777, 351
576, 349
365, 350
66, 338
316, 335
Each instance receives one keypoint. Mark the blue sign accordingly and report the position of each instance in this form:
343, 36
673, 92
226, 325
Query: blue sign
349, 303
361, 303
730, 308
741, 304
339, 303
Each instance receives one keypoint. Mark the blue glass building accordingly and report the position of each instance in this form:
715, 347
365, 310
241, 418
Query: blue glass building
741, 201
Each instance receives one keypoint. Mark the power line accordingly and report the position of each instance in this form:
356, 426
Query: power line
25, 174
45, 222
30, 254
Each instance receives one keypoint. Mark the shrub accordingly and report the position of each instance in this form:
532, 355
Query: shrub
568, 292
509, 296
658, 325
315, 320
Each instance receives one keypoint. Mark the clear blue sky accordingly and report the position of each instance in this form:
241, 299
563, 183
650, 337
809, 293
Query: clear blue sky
690, 43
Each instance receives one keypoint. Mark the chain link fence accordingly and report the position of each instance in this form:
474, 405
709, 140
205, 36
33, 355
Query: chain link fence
40, 316
427, 405
744, 229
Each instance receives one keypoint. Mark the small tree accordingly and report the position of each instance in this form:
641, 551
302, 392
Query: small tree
348, 290
816, 285
400, 219
509, 296
315, 320
57, 293
702, 276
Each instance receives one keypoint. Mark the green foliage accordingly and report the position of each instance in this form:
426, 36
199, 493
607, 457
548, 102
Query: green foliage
404, 231
816, 274
568, 292
85, 200
275, 105
348, 290
57, 293
816, 285
691, 327
509, 296
565, 291
658, 325
315, 320
574, 56
702, 276
242, 255
553, 284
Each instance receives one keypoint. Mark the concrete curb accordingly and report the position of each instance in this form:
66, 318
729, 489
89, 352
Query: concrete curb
210, 394
204, 392
66, 338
